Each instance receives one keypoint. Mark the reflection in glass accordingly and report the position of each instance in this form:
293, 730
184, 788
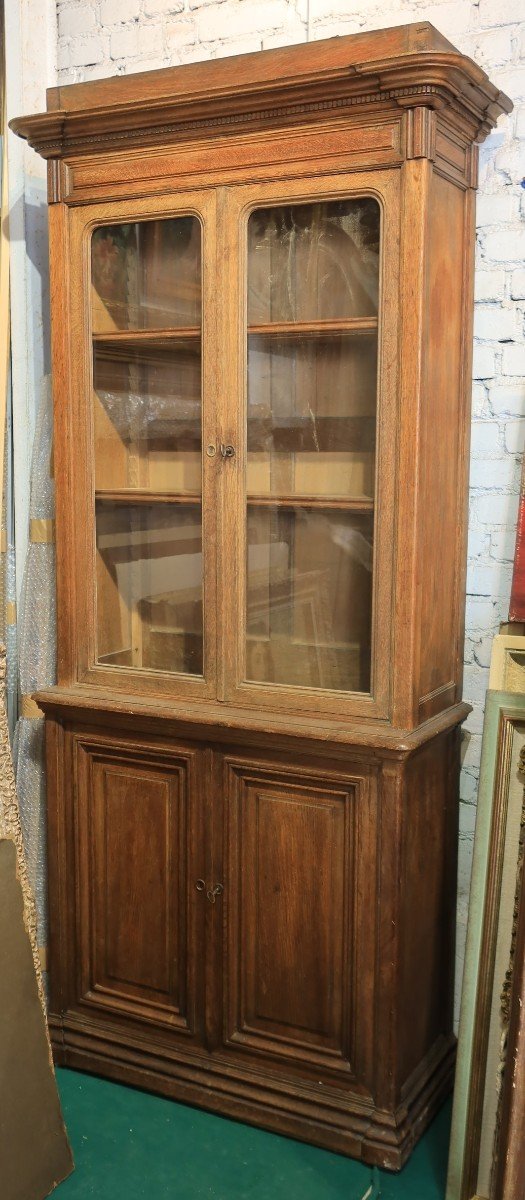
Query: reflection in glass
146, 275
147, 414
313, 282
147, 410
312, 262
311, 415
149, 586
309, 597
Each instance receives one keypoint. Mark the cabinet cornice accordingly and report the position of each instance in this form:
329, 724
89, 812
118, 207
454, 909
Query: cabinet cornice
413, 68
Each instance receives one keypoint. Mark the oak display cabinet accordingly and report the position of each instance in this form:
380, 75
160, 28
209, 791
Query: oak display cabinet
261, 274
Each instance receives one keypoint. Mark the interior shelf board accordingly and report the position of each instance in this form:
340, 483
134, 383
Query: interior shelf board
316, 329
349, 504
144, 496
168, 334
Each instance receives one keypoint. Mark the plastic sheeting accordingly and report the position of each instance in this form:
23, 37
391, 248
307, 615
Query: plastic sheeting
10, 630
10, 826
37, 662
8, 626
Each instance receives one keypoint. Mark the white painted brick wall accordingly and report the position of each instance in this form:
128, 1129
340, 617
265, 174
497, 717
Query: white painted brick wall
107, 37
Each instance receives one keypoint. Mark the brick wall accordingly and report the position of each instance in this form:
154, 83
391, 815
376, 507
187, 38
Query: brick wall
107, 37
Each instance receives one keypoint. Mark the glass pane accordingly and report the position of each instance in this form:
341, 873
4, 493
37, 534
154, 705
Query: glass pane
313, 262
313, 282
311, 415
146, 275
149, 586
309, 597
147, 412
147, 416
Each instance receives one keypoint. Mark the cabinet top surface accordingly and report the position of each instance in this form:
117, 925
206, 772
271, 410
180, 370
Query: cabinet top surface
409, 65
321, 58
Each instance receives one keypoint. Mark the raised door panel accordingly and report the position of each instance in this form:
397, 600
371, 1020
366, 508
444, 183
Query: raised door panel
299, 962
139, 929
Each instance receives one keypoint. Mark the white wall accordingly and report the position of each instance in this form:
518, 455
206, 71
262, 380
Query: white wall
31, 54
106, 37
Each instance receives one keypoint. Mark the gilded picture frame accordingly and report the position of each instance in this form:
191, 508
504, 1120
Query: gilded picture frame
476, 1116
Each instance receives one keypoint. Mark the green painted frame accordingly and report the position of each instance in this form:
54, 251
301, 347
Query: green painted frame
503, 713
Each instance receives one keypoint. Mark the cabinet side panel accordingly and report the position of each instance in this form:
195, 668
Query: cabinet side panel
441, 472
428, 892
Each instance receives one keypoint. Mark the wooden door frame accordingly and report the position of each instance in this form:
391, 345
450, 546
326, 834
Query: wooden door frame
383, 185
75, 451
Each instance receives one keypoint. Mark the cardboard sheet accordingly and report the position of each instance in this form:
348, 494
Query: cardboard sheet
34, 1151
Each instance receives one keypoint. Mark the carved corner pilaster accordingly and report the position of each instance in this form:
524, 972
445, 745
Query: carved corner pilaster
472, 166
57, 180
420, 133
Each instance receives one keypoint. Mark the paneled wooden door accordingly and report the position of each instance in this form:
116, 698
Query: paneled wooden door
299, 870
137, 923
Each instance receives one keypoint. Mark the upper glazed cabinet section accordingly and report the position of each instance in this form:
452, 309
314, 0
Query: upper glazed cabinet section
261, 281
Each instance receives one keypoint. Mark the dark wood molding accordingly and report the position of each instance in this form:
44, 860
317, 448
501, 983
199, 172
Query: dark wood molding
250, 1096
260, 91
97, 705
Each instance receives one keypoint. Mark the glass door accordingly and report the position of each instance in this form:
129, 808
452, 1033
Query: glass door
148, 415
311, 431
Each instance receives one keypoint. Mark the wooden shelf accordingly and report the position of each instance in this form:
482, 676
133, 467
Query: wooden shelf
290, 330
351, 326
139, 337
346, 504
143, 496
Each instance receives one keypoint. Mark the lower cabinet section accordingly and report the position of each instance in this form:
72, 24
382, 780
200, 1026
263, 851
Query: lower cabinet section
229, 927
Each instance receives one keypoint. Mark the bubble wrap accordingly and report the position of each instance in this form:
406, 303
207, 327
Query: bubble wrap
37, 663
28, 753
37, 626
10, 826
10, 632
4, 595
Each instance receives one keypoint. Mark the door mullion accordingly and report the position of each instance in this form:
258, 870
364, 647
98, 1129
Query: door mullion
232, 438
213, 899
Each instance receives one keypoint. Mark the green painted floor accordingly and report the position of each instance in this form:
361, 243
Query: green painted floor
129, 1145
